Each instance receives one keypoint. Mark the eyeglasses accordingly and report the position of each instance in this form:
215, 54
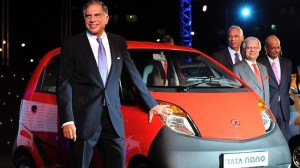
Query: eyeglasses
252, 48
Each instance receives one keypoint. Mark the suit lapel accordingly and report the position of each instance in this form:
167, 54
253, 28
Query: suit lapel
250, 73
270, 69
263, 75
228, 58
84, 44
114, 56
283, 71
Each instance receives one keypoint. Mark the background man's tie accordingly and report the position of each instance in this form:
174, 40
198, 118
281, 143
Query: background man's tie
275, 72
257, 74
236, 58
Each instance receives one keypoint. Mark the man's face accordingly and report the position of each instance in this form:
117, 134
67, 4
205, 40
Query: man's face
273, 48
235, 39
95, 19
252, 50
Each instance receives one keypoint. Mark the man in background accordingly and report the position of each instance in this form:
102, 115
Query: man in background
252, 72
280, 71
167, 39
231, 55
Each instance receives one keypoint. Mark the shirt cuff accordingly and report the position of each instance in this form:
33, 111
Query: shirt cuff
67, 123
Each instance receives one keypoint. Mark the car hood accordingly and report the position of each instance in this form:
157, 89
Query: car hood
228, 116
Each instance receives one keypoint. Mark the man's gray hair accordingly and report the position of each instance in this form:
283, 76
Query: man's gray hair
235, 27
92, 2
248, 39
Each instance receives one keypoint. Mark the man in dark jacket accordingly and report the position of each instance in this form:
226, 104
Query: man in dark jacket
280, 71
231, 55
88, 100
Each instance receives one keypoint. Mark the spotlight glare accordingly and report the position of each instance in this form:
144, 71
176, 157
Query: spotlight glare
246, 12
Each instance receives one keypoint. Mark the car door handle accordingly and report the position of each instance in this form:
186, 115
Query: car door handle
34, 108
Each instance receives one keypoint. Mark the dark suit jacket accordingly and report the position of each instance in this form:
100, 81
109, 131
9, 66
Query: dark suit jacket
281, 89
244, 71
224, 57
80, 88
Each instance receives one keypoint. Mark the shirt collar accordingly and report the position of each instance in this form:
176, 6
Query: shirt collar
250, 62
276, 60
103, 36
232, 52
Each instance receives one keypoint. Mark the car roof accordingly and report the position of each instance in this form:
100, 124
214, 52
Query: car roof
155, 45
146, 45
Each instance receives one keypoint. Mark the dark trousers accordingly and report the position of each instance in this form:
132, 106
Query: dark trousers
106, 141
283, 125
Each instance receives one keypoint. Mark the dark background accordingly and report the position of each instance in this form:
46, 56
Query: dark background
41, 25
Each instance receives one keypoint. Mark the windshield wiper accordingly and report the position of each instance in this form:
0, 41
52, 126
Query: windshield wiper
224, 82
210, 81
195, 81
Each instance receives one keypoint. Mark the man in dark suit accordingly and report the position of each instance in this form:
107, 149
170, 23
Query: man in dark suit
246, 69
230, 55
280, 71
89, 103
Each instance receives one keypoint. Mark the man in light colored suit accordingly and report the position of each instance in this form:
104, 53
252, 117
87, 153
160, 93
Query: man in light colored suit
88, 91
231, 54
246, 69
280, 71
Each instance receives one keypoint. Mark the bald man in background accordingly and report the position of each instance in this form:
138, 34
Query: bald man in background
280, 71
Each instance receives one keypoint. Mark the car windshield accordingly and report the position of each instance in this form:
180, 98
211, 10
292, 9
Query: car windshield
165, 68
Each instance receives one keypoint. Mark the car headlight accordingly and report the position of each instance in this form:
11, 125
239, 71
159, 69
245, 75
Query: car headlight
267, 116
179, 121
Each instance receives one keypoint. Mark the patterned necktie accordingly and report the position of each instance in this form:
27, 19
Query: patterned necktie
257, 74
102, 63
236, 58
275, 72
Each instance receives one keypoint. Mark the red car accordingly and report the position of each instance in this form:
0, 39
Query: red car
218, 120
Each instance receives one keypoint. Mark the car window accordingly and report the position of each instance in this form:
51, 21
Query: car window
47, 80
183, 69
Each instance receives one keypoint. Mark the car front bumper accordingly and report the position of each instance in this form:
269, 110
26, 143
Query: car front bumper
173, 150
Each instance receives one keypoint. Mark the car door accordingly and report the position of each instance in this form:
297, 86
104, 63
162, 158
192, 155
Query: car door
44, 120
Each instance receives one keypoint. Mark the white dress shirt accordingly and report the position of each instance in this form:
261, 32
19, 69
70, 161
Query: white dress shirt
277, 64
232, 52
95, 45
